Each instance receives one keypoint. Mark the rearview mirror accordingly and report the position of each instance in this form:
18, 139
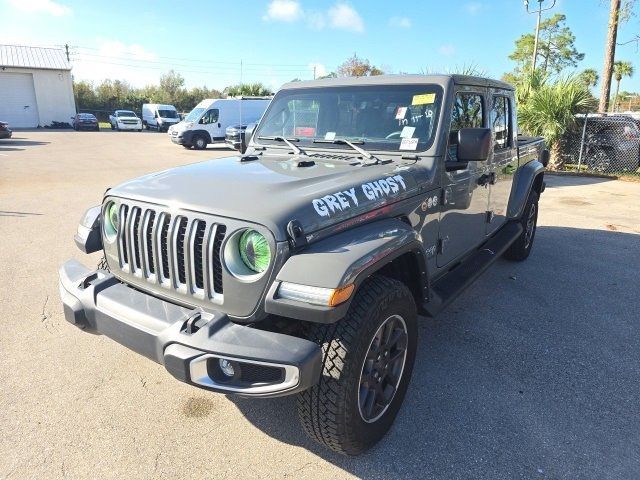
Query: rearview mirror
474, 144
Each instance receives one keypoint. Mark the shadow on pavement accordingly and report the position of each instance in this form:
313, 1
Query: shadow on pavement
564, 180
531, 373
7, 145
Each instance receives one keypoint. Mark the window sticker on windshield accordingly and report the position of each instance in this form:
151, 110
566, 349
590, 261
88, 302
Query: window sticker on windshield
424, 99
330, 136
407, 132
409, 144
402, 111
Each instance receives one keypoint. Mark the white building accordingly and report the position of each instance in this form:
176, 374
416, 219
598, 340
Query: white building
35, 86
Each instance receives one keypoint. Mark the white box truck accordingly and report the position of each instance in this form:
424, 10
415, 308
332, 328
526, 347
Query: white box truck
208, 121
159, 116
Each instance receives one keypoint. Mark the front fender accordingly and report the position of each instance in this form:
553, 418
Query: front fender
522, 184
348, 257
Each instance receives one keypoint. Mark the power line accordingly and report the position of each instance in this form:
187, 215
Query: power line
212, 72
200, 60
90, 58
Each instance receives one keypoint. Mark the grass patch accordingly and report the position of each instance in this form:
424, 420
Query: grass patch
104, 124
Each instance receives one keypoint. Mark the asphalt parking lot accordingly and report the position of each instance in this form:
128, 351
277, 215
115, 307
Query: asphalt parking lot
533, 373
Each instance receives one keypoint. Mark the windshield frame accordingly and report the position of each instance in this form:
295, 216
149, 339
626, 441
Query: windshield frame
370, 145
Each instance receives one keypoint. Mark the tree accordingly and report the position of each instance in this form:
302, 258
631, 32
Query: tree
589, 77
247, 89
358, 67
621, 69
556, 47
609, 55
171, 83
550, 111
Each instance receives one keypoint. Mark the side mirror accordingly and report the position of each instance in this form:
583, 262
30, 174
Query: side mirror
474, 144
155, 115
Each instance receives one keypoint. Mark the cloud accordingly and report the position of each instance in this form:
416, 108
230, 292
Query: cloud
117, 60
400, 22
41, 6
447, 50
320, 69
473, 8
316, 20
345, 17
340, 16
283, 11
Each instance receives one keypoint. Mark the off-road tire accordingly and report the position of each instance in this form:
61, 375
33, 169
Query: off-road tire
199, 142
102, 264
329, 411
521, 248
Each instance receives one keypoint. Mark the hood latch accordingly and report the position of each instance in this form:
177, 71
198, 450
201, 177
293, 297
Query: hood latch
295, 232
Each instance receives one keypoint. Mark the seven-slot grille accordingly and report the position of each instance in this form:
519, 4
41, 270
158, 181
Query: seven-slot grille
178, 252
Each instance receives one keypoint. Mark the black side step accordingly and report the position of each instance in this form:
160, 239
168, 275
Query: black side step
447, 288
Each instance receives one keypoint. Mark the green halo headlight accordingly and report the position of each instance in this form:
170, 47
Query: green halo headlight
254, 251
111, 221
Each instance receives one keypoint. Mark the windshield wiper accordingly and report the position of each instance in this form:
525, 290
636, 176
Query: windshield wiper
361, 151
297, 150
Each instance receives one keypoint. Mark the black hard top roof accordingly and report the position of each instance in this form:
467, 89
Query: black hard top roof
442, 80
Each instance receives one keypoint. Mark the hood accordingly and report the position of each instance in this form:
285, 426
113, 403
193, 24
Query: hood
274, 190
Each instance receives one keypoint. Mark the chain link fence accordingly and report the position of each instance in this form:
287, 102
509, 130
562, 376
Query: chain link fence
603, 144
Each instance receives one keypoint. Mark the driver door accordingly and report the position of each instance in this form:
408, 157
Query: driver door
210, 121
465, 197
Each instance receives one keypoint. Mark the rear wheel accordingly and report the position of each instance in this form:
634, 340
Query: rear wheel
368, 358
521, 248
199, 142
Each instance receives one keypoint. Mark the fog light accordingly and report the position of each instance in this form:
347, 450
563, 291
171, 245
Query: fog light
227, 367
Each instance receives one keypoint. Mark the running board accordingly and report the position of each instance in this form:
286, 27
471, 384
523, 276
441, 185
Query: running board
452, 284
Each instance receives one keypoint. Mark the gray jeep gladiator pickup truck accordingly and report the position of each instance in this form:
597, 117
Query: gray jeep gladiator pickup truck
301, 266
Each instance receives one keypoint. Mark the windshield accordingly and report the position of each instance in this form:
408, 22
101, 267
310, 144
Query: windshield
168, 114
194, 115
384, 117
125, 113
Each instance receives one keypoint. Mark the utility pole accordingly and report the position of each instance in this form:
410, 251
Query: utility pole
66, 49
539, 13
609, 56
314, 72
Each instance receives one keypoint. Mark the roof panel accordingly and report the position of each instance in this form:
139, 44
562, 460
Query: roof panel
22, 56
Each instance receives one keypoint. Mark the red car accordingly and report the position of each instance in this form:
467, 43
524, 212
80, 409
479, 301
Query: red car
85, 121
5, 131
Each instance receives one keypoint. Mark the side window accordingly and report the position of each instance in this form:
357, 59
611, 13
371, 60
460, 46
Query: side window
468, 112
210, 117
500, 122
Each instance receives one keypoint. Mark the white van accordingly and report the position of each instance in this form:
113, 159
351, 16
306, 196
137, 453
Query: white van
209, 120
159, 116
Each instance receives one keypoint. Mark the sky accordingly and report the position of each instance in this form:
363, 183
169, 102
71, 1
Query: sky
216, 43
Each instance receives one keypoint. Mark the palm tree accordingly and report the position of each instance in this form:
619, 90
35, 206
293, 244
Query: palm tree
550, 110
590, 77
620, 69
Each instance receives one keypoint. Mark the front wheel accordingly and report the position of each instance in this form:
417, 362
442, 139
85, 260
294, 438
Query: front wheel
199, 142
367, 360
521, 248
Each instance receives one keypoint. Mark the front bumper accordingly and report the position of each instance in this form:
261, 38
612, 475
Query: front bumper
188, 342
5, 133
129, 126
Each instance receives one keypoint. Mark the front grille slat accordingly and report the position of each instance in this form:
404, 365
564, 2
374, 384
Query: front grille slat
178, 252
129, 223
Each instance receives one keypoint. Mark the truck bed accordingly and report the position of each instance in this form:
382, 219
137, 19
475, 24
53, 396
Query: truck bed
530, 148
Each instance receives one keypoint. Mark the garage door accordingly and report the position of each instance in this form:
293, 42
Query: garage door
18, 100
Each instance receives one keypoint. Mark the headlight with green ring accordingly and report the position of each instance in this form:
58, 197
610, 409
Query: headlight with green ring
111, 221
254, 251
